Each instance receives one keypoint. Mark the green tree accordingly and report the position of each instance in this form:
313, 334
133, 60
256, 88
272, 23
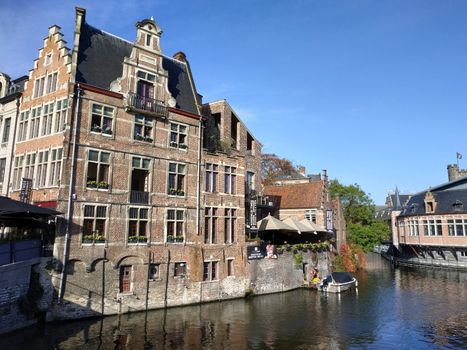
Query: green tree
359, 211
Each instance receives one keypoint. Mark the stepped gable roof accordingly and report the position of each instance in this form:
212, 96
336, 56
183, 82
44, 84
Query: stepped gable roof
451, 198
297, 196
100, 62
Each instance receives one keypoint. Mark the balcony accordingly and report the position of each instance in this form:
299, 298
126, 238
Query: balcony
146, 105
139, 197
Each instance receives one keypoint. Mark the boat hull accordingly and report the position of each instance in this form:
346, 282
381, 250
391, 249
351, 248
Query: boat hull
340, 287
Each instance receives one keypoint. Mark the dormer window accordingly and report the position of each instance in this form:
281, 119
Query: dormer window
457, 205
429, 207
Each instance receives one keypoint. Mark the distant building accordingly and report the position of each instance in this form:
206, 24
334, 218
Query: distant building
307, 197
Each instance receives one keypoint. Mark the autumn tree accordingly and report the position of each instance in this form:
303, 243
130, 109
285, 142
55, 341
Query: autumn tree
273, 167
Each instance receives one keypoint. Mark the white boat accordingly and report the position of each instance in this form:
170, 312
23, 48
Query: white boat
338, 282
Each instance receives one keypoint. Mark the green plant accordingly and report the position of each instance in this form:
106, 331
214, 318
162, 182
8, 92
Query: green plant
137, 239
279, 250
103, 185
91, 184
298, 260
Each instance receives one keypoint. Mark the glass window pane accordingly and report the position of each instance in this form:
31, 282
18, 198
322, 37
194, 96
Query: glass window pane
136, 162
146, 163
93, 156
105, 157
96, 109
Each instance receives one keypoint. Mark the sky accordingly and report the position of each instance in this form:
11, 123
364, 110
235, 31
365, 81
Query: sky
375, 92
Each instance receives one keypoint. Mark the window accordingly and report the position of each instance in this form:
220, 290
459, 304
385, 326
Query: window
432, 228
230, 224
48, 59
42, 167
140, 180
154, 271
457, 205
310, 215
211, 177
60, 115
429, 207
47, 119
23, 125
148, 40
18, 171
459, 227
180, 269
39, 87
210, 225
175, 226
125, 279
463, 253
176, 179
35, 122
102, 119
143, 128
6, 130
210, 270
230, 267
229, 179
55, 167
51, 83
178, 136
2, 170
138, 226
146, 76
250, 182
414, 228
30, 166
94, 223
98, 170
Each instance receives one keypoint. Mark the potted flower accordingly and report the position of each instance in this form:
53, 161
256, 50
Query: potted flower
183, 146
99, 238
96, 128
173, 144
148, 139
172, 191
179, 239
180, 193
88, 239
91, 184
103, 185
170, 238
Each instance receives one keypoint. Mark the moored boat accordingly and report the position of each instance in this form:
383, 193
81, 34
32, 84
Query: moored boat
338, 282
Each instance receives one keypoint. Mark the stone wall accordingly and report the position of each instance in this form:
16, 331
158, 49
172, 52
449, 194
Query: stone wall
14, 284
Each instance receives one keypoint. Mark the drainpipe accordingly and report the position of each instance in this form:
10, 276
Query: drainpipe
69, 213
12, 151
198, 175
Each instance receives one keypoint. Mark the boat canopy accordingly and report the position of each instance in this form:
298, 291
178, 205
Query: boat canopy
341, 277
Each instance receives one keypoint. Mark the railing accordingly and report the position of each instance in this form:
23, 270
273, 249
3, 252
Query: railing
139, 197
15, 251
146, 104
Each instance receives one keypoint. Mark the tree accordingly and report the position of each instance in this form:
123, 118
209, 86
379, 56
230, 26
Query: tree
358, 207
359, 211
273, 167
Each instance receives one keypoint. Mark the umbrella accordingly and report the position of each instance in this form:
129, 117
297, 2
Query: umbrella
301, 228
270, 223
10, 207
315, 228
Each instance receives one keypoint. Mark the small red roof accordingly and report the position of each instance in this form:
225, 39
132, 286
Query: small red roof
297, 196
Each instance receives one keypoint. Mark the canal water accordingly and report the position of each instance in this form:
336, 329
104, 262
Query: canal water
392, 309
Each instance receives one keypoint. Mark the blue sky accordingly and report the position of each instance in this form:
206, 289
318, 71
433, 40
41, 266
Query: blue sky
373, 91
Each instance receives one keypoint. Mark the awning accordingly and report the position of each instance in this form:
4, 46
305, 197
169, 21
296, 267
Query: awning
270, 223
313, 226
10, 208
297, 225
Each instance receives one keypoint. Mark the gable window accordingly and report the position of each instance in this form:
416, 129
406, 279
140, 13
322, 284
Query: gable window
457, 205
145, 91
210, 225
94, 223
138, 225
175, 226
98, 169
55, 166
230, 225
48, 59
148, 40
102, 119
42, 167
6, 130
39, 87
23, 125
51, 83
429, 207
143, 128
180, 269
60, 115
178, 136
47, 119
35, 122
210, 270
176, 183
229, 179
211, 177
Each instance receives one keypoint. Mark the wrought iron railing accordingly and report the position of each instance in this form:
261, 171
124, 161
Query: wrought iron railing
146, 104
139, 197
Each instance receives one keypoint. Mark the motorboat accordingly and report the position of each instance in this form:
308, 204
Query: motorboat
338, 282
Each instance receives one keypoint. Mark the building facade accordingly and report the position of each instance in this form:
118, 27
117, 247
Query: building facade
153, 184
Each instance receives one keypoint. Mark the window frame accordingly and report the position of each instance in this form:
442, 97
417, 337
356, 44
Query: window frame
101, 238
99, 129
211, 177
177, 133
230, 179
139, 238
180, 269
171, 235
144, 124
210, 271
98, 183
178, 177
230, 225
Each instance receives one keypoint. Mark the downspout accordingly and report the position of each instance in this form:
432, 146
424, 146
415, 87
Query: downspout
198, 175
12, 151
69, 213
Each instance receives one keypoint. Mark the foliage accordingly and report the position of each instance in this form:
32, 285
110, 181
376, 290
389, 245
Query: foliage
357, 206
273, 167
367, 236
298, 260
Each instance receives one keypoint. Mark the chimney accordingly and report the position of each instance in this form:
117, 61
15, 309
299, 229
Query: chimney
325, 175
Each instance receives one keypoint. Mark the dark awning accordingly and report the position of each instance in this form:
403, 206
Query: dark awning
10, 208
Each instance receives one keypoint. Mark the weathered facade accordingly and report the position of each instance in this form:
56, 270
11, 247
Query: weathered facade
114, 135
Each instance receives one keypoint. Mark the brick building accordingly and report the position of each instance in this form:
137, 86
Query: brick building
114, 135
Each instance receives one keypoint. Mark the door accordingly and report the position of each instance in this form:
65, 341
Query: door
125, 279
145, 92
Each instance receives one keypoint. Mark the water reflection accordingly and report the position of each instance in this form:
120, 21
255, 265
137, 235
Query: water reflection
401, 308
